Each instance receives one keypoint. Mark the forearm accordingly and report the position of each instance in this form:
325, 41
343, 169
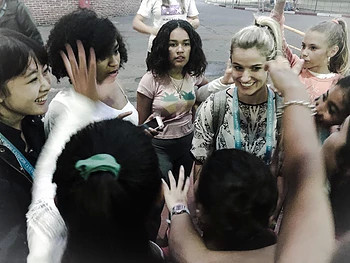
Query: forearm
144, 107
213, 86
307, 229
184, 242
279, 7
186, 246
141, 27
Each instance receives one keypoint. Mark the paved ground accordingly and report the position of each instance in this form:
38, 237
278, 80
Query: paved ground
217, 26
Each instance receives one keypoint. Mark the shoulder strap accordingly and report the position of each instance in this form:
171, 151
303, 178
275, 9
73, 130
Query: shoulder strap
219, 104
278, 104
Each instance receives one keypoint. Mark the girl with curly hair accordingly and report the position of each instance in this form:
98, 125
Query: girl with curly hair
101, 35
176, 64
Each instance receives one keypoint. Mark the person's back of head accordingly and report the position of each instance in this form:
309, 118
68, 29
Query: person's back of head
107, 182
237, 194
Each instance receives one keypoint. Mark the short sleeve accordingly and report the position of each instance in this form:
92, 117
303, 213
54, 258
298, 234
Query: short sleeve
203, 138
192, 9
146, 7
147, 86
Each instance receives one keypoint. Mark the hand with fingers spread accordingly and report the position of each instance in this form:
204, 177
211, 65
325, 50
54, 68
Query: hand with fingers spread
82, 75
177, 193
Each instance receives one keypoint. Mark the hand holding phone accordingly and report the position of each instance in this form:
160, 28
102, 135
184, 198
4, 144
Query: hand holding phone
156, 123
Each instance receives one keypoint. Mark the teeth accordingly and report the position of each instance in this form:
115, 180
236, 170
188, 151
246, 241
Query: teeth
41, 99
247, 84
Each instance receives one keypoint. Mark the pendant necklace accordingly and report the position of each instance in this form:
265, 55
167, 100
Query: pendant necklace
177, 87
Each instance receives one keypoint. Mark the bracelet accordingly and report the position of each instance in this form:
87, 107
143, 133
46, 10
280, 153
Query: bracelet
299, 103
179, 209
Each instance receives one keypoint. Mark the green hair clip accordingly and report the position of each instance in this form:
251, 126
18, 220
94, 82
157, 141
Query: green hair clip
98, 162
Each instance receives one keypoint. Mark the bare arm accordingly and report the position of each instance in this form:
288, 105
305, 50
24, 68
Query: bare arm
144, 107
187, 246
307, 233
139, 25
194, 21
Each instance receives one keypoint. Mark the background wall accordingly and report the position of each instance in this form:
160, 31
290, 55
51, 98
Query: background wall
47, 12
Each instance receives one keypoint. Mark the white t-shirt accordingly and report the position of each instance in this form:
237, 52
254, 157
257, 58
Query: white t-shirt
162, 14
61, 105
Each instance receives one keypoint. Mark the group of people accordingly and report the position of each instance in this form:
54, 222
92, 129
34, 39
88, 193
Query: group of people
82, 180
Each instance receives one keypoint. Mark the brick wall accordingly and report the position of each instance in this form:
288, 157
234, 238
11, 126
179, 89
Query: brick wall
47, 12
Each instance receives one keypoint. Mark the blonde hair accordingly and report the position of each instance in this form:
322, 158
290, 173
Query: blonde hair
336, 32
265, 35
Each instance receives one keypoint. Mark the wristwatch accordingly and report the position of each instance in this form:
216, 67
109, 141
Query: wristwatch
179, 209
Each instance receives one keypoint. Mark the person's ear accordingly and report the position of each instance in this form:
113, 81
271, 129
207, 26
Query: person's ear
332, 51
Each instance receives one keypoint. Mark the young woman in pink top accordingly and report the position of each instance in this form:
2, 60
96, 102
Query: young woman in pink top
169, 89
324, 50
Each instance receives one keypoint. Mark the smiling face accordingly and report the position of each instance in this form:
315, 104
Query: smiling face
315, 52
26, 94
107, 69
333, 144
179, 48
248, 71
330, 107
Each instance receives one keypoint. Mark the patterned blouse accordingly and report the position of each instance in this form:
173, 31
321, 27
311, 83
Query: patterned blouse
253, 122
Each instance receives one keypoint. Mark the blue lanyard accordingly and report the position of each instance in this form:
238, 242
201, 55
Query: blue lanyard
269, 126
20, 158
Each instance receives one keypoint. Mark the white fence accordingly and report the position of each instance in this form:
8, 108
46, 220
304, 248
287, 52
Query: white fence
327, 6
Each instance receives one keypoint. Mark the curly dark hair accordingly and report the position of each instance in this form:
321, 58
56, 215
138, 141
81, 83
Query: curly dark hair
238, 194
158, 60
93, 31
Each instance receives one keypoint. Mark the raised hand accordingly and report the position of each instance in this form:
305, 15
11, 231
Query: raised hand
176, 194
282, 76
227, 78
82, 76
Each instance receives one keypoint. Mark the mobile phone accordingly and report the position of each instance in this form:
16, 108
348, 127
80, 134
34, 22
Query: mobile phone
155, 123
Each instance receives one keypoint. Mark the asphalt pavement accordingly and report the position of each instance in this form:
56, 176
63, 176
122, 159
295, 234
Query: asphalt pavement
217, 25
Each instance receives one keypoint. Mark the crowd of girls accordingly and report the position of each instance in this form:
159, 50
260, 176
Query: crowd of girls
95, 191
